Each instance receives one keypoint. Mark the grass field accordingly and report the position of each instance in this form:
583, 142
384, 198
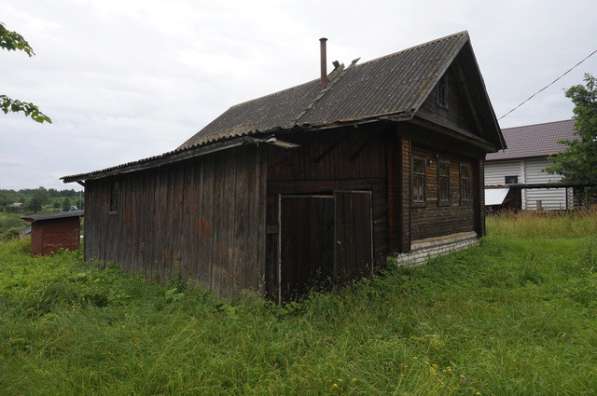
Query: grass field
517, 315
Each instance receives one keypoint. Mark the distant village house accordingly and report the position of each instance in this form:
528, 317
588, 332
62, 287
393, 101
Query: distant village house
525, 162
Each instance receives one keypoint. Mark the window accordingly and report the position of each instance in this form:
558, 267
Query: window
443, 181
466, 189
418, 184
442, 92
114, 196
511, 179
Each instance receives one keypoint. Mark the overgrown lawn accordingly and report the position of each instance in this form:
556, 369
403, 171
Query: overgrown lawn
517, 315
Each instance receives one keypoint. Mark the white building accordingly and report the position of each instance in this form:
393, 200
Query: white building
525, 160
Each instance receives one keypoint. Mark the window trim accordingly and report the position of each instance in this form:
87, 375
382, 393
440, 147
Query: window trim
446, 201
415, 202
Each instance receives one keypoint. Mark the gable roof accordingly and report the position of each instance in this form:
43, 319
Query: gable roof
395, 84
390, 87
536, 140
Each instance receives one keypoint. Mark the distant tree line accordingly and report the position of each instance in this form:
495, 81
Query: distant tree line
39, 199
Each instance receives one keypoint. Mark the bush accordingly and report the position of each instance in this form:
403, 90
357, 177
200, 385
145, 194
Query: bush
10, 234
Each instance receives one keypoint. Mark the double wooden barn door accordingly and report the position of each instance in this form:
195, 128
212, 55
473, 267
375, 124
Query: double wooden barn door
325, 240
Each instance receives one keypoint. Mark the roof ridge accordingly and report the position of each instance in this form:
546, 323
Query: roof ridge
540, 123
461, 33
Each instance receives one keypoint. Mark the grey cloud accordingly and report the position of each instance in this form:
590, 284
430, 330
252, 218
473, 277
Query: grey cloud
128, 79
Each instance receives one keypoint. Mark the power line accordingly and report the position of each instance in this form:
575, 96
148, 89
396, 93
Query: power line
548, 85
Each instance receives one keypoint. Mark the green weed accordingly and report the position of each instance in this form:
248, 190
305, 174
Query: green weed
516, 315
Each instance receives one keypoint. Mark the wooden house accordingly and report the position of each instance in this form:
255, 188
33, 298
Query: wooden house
314, 185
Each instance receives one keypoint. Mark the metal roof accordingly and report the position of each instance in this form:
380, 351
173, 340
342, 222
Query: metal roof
536, 140
52, 216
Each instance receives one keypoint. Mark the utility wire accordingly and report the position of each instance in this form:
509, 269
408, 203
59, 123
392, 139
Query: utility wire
548, 85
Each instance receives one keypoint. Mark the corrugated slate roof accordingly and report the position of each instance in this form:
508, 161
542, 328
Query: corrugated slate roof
277, 110
393, 84
536, 140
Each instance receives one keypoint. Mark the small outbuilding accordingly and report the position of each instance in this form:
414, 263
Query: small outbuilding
51, 232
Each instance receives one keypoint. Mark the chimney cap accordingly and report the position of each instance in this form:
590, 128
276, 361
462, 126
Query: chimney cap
323, 39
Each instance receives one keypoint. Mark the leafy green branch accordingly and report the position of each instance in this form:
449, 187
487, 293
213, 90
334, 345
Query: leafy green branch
13, 41
29, 109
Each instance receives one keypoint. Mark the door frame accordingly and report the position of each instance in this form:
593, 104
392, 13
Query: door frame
282, 196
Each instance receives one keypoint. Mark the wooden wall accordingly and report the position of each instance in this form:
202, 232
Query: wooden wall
346, 159
457, 112
49, 236
432, 219
214, 219
202, 219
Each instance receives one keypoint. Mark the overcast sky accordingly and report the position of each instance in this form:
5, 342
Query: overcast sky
123, 80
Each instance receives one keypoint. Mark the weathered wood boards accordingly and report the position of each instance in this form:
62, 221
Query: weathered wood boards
307, 244
202, 219
217, 219
353, 235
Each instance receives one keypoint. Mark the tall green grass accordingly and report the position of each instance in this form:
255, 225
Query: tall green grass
549, 224
513, 316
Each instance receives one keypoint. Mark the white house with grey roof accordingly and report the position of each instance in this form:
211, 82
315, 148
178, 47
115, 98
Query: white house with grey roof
524, 162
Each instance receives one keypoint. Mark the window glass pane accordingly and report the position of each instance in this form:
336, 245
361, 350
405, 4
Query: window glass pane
419, 165
466, 190
511, 179
418, 186
444, 181
444, 168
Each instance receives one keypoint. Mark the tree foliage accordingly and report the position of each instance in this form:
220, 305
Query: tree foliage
39, 199
13, 41
578, 164
29, 109
66, 204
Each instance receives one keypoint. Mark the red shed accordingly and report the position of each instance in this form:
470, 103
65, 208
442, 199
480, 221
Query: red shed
50, 232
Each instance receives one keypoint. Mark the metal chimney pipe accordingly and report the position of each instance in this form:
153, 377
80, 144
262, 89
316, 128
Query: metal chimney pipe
324, 63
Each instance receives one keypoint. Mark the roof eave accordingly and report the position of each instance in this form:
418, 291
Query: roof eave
163, 159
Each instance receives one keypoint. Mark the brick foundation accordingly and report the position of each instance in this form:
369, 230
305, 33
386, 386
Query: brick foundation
424, 249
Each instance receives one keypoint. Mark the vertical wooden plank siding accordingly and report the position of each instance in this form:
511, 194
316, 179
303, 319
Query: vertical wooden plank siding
434, 218
202, 220
347, 159
393, 171
405, 194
